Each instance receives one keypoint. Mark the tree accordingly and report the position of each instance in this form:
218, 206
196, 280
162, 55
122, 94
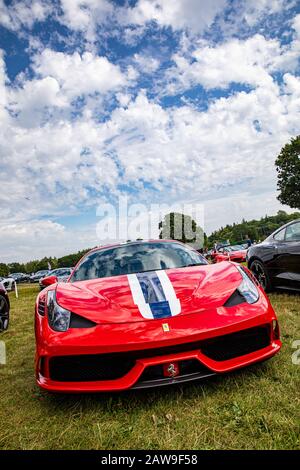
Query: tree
71, 260
3, 270
256, 229
288, 169
181, 227
16, 267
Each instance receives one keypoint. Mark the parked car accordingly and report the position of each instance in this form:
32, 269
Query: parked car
4, 308
8, 282
20, 277
276, 261
235, 253
146, 314
59, 274
39, 275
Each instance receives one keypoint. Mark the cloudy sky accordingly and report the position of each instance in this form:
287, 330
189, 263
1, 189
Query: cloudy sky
163, 101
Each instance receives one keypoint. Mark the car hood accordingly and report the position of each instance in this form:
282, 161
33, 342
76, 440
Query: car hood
111, 299
238, 253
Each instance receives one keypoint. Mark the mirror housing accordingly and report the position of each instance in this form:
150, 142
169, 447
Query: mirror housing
48, 280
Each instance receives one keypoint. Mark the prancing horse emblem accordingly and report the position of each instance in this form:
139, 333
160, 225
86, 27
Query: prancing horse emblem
172, 370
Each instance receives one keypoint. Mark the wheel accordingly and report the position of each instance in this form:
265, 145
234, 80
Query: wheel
261, 274
4, 313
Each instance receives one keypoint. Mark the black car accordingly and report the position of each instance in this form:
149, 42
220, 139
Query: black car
20, 277
276, 261
4, 308
39, 275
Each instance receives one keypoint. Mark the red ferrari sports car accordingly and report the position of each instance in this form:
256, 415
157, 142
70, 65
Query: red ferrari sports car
236, 253
146, 314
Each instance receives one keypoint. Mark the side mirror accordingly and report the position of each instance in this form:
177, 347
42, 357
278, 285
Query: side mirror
47, 281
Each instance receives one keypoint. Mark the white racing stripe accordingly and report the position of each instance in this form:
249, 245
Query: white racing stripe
138, 296
169, 292
146, 309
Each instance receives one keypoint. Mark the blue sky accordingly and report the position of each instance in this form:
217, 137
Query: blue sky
161, 101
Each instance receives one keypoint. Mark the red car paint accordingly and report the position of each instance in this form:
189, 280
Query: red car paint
48, 280
236, 256
120, 327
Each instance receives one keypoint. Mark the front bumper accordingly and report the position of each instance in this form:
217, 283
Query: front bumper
150, 349
131, 379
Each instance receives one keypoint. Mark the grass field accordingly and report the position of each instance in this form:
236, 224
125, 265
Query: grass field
257, 408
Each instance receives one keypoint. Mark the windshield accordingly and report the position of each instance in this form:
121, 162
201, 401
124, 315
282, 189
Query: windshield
60, 272
135, 258
235, 248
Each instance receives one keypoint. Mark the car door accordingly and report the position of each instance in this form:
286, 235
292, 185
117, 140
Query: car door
289, 254
272, 255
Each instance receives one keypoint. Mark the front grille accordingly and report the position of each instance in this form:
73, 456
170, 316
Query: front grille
88, 368
237, 344
112, 366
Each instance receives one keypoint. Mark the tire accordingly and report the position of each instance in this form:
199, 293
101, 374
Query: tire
4, 314
261, 274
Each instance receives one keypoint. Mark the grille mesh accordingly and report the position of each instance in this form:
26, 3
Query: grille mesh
88, 368
237, 344
41, 305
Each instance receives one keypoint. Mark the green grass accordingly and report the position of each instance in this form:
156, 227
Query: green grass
256, 408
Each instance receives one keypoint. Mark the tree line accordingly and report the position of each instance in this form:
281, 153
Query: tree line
256, 229
36, 265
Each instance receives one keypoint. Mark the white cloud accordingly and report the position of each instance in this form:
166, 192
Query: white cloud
79, 13
145, 63
196, 15
67, 165
85, 15
251, 62
79, 74
31, 102
234, 208
123, 99
57, 161
3, 92
179, 149
60, 80
254, 10
34, 239
24, 13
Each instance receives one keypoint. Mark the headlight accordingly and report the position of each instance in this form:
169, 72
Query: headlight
247, 288
58, 317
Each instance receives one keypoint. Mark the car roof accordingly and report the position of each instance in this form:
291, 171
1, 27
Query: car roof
136, 242
59, 269
283, 226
